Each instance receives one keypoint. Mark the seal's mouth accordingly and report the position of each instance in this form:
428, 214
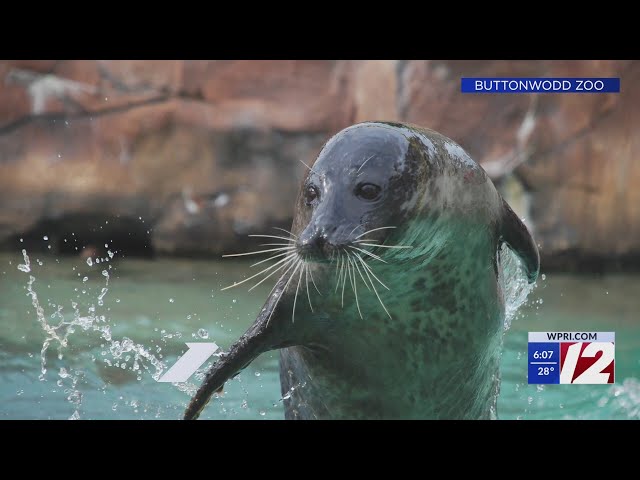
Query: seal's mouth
320, 252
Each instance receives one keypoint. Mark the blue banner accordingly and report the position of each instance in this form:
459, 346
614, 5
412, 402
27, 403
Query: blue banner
540, 85
544, 363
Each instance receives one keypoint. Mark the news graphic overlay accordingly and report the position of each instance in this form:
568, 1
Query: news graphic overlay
571, 357
540, 85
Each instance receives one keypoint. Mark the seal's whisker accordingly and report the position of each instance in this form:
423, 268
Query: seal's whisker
312, 280
285, 287
270, 258
291, 256
363, 280
308, 167
374, 287
306, 278
353, 230
286, 231
288, 264
367, 267
344, 278
290, 240
343, 271
295, 298
372, 255
338, 270
274, 244
386, 246
366, 240
373, 230
352, 279
258, 252
364, 163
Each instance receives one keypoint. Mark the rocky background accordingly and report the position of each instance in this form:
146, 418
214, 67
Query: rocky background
188, 157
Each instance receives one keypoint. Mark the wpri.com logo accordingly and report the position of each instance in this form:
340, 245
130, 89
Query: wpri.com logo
571, 357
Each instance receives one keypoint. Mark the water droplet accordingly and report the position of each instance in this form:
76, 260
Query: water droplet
541, 301
544, 277
97, 260
171, 300
234, 300
106, 245
244, 404
257, 374
21, 240
607, 293
89, 261
263, 413
202, 333
45, 238
117, 300
84, 280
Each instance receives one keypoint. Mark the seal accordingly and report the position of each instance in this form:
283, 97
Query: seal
395, 244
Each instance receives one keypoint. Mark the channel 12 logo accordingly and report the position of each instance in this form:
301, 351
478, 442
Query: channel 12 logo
571, 357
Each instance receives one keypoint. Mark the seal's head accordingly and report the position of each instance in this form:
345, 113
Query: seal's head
362, 183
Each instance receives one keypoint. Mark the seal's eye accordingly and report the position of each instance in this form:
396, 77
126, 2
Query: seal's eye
310, 194
368, 191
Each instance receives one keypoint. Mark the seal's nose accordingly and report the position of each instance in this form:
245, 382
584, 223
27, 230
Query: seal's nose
314, 244
320, 241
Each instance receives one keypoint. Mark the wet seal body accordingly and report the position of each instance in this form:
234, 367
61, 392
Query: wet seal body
400, 232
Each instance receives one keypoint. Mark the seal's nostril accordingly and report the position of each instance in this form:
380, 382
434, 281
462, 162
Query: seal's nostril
321, 240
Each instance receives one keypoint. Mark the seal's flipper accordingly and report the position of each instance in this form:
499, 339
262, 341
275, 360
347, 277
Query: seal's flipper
257, 339
516, 235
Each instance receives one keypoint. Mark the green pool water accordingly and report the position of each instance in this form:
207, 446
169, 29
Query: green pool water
152, 307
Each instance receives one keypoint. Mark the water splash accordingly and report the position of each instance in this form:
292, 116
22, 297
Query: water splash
514, 284
121, 351
26, 267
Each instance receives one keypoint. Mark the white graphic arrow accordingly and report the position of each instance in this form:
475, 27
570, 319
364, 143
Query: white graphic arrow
188, 363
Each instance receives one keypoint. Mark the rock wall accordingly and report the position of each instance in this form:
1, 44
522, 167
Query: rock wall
188, 157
